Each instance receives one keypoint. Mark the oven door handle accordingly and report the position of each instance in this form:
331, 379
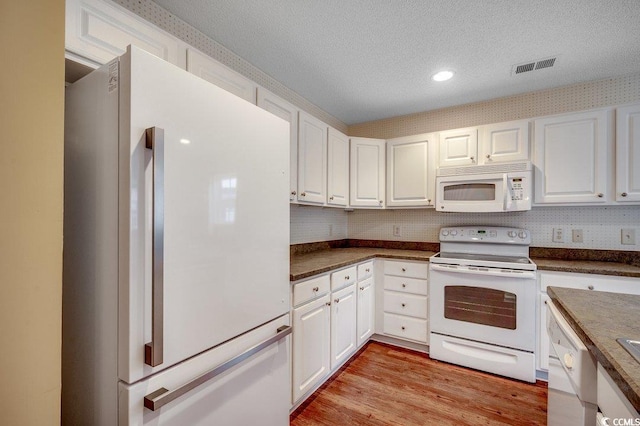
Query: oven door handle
504, 273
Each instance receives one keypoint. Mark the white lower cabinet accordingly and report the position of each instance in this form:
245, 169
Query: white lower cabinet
405, 302
311, 331
333, 314
365, 323
343, 325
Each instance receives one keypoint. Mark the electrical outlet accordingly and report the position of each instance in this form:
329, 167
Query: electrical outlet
576, 235
396, 230
628, 236
558, 235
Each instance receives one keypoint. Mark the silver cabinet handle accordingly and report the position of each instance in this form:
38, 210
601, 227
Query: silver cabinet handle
153, 351
403, 285
403, 327
304, 194
361, 288
346, 277
367, 270
328, 303
380, 201
331, 198
590, 287
624, 194
488, 156
473, 159
404, 270
336, 300
403, 305
315, 289
293, 192
600, 195
163, 396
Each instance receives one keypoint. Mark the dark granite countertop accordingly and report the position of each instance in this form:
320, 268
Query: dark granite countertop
306, 264
316, 262
599, 318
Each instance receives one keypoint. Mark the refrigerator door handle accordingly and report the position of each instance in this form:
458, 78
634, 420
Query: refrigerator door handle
153, 350
163, 396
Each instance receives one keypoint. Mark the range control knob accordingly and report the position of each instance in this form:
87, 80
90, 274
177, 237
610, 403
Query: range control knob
512, 234
522, 234
444, 232
454, 232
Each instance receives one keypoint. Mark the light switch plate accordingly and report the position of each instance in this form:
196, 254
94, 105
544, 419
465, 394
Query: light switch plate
628, 236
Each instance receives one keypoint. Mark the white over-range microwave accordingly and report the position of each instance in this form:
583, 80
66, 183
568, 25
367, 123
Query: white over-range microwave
488, 188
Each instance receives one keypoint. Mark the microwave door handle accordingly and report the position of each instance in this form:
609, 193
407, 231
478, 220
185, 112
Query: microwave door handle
507, 202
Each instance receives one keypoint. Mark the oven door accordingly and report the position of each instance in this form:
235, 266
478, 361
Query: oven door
489, 305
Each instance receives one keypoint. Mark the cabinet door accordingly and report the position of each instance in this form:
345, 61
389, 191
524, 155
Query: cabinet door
570, 158
312, 160
338, 169
411, 171
311, 328
343, 325
288, 112
366, 310
505, 142
458, 147
98, 31
214, 72
628, 154
367, 173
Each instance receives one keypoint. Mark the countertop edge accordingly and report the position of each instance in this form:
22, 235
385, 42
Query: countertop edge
613, 368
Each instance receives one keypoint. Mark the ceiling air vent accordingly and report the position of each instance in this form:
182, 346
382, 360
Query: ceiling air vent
533, 66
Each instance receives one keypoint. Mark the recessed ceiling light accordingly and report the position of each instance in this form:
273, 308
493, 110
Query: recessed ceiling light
442, 76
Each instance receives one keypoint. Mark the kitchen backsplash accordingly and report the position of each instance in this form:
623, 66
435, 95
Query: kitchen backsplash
601, 226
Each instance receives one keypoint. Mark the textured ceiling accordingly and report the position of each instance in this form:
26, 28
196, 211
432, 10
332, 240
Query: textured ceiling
362, 60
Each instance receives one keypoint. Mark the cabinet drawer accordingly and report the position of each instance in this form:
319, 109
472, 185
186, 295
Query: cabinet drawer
365, 270
343, 278
405, 327
405, 304
405, 285
406, 269
310, 289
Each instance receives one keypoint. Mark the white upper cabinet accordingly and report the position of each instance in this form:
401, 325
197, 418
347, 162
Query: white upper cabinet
288, 112
338, 169
96, 31
214, 72
628, 154
491, 144
312, 160
367, 172
459, 147
504, 142
411, 171
570, 156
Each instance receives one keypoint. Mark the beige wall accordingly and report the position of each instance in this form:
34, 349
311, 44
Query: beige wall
31, 174
593, 94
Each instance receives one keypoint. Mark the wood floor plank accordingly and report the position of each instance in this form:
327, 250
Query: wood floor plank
386, 385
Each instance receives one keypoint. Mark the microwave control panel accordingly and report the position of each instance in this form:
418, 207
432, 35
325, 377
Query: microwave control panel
516, 188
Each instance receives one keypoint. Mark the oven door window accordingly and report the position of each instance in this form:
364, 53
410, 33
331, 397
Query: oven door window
485, 306
470, 192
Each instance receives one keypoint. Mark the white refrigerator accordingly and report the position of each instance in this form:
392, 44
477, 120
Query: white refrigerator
176, 252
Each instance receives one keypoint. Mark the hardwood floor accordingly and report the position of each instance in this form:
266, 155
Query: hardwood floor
386, 385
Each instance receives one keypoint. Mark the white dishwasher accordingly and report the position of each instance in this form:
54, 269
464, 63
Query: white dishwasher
572, 397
